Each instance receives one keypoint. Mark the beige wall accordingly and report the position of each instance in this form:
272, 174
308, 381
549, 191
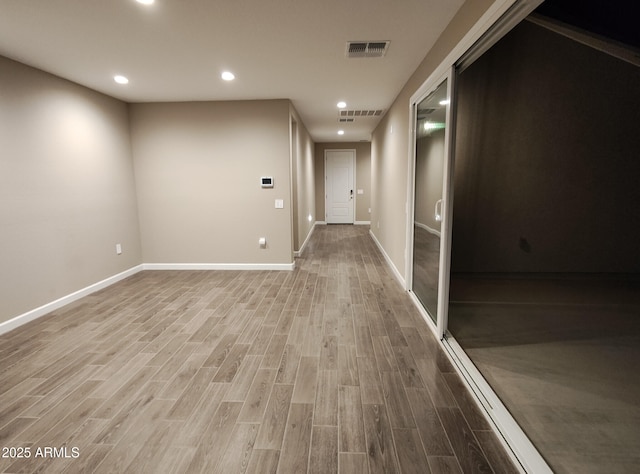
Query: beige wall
198, 167
67, 191
390, 142
304, 203
363, 177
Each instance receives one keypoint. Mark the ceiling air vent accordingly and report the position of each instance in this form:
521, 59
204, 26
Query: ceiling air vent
345, 120
367, 49
360, 113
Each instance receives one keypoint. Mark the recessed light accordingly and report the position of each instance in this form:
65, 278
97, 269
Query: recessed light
433, 126
342, 104
146, 2
121, 79
227, 76
340, 132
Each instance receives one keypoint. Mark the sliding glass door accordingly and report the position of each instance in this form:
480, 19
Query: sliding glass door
430, 213
438, 110
430, 171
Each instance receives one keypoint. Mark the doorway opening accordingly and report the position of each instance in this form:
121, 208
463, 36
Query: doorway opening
340, 186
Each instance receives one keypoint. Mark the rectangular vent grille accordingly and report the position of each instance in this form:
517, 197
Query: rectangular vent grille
367, 49
345, 119
360, 113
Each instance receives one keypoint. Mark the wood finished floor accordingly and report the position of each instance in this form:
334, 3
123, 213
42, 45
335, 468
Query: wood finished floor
328, 368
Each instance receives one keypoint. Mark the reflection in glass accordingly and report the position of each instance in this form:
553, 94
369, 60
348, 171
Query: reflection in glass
429, 168
545, 262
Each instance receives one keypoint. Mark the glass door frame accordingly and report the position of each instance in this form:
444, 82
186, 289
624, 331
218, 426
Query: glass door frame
497, 21
440, 324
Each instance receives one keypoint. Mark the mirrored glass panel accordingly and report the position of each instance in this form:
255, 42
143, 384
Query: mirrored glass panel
429, 169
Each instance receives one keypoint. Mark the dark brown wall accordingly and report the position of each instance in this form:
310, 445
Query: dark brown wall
547, 164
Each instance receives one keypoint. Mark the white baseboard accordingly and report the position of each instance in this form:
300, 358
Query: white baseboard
36, 313
354, 223
298, 253
219, 266
524, 455
395, 271
427, 228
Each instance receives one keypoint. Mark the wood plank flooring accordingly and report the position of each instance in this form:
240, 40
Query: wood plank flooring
328, 368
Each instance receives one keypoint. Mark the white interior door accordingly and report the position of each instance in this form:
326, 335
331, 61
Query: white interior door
339, 186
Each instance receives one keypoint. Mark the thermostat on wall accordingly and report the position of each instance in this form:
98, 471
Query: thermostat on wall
266, 182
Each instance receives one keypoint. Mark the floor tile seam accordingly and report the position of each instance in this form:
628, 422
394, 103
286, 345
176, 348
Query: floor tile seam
449, 437
435, 409
481, 446
59, 383
268, 399
391, 429
379, 372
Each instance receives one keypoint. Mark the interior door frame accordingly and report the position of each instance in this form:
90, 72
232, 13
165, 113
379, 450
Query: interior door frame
440, 326
353, 183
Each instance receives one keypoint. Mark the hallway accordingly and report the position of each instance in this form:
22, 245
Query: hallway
328, 368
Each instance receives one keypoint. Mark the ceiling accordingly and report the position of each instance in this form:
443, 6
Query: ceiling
175, 50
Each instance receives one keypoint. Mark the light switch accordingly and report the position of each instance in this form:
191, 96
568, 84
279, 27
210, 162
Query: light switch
279, 203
